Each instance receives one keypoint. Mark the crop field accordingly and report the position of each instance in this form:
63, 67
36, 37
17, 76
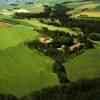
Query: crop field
85, 65
77, 4
92, 9
91, 14
36, 8
24, 70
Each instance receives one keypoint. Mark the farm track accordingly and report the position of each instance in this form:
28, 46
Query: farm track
25, 27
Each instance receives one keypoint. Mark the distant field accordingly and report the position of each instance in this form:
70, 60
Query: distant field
36, 8
85, 65
15, 35
38, 24
91, 14
4, 6
76, 4
93, 9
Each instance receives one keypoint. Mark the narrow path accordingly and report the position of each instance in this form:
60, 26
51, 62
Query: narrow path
25, 27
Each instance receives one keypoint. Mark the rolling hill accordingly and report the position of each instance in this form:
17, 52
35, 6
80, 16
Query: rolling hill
24, 70
20, 66
87, 9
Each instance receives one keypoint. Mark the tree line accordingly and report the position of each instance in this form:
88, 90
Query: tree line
83, 89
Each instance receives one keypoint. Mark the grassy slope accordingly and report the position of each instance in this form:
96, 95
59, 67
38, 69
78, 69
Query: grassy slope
4, 6
35, 9
76, 4
15, 35
23, 71
38, 24
93, 8
86, 65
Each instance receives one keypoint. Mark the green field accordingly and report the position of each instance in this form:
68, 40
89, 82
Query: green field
86, 65
15, 35
93, 9
35, 22
23, 70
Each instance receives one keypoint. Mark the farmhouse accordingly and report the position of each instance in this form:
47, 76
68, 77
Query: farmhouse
76, 46
45, 40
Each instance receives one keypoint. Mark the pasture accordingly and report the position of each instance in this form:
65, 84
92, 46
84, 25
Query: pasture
36, 23
39, 8
23, 70
92, 9
15, 35
85, 65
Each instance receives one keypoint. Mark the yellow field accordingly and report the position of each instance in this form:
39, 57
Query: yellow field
91, 14
36, 9
89, 6
88, 14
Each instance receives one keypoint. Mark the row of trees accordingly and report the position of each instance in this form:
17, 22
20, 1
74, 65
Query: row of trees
45, 14
56, 12
59, 68
83, 89
87, 26
8, 97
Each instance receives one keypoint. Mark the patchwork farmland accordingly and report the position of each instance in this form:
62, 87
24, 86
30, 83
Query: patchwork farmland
92, 9
49, 50
20, 62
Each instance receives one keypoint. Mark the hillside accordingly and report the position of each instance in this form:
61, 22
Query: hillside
49, 49
85, 9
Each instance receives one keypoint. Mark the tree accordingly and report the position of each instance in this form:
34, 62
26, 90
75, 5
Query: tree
94, 36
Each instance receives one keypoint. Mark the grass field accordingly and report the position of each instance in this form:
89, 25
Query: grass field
77, 4
39, 8
86, 65
22, 70
38, 24
93, 9
4, 6
15, 35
